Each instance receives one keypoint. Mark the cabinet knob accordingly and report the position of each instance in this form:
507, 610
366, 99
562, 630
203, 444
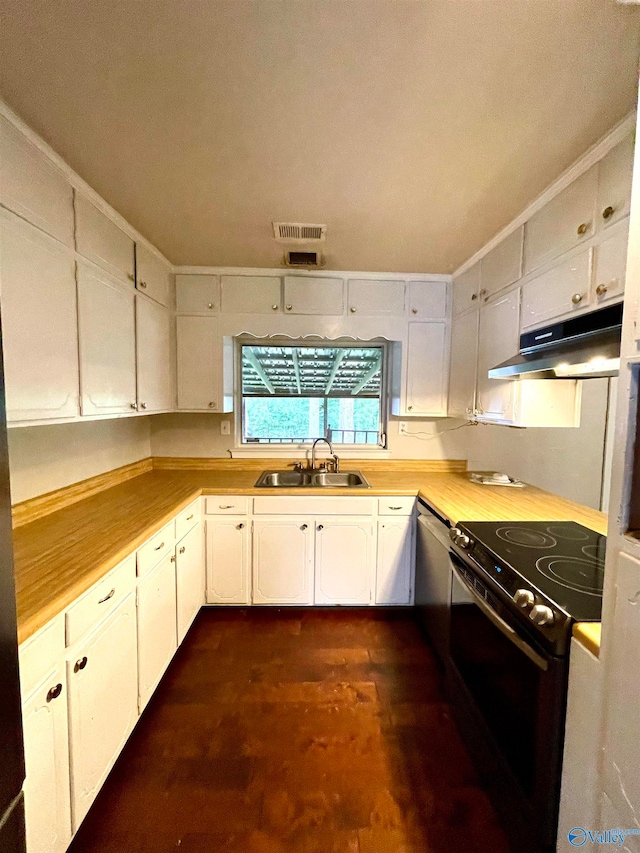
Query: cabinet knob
143, 284
131, 276
601, 289
608, 212
143, 405
414, 310
274, 307
80, 664
576, 298
483, 292
321, 527
134, 406
474, 296
212, 405
353, 310
583, 228
304, 526
210, 305
183, 549
289, 307
240, 526
54, 692
173, 558
409, 408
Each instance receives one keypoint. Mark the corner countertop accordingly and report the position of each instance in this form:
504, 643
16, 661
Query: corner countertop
60, 556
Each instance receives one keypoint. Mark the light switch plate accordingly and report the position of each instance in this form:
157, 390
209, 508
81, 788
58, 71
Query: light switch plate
225, 427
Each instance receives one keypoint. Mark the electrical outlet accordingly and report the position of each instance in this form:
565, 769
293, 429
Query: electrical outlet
402, 428
225, 427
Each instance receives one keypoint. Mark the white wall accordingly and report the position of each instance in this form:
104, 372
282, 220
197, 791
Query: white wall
567, 462
44, 458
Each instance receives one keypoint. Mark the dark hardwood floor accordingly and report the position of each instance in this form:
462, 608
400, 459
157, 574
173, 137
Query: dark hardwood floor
295, 730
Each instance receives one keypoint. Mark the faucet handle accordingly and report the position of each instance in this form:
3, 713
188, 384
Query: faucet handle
336, 463
297, 466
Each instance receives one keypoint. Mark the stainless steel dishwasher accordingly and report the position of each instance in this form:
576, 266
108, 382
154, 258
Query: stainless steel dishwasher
433, 578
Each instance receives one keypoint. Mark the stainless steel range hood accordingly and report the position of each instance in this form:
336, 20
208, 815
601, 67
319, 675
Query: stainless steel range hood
583, 347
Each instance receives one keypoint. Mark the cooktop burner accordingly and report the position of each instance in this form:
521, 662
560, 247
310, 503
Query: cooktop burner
564, 561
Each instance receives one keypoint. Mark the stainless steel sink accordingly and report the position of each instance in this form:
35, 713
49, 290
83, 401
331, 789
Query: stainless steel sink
308, 479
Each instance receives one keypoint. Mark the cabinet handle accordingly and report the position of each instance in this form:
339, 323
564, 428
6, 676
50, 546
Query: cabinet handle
395, 507
80, 664
143, 405
190, 517
414, 310
601, 289
210, 305
212, 404
107, 597
160, 547
304, 527
54, 692
134, 406
321, 527
183, 549
143, 284
225, 506
608, 212
576, 298
289, 307
583, 228
274, 307
352, 309
240, 526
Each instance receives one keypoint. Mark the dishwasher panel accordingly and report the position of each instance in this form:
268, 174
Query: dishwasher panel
433, 579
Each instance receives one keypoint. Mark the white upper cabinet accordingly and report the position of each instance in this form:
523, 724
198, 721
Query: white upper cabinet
153, 275
107, 344
498, 340
373, 297
427, 300
610, 266
33, 187
283, 561
465, 289
464, 363
38, 297
197, 294
251, 294
427, 369
560, 292
614, 183
564, 222
502, 266
313, 295
101, 241
198, 367
153, 356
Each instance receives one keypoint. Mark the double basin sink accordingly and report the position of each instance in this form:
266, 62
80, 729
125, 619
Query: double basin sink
311, 479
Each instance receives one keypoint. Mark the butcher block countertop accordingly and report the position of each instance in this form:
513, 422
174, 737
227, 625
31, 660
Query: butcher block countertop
62, 554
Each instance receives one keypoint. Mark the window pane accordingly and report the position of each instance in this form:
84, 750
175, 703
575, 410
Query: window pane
283, 418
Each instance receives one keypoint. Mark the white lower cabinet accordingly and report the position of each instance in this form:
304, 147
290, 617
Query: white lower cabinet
344, 561
394, 562
157, 630
46, 748
228, 560
103, 707
283, 561
189, 579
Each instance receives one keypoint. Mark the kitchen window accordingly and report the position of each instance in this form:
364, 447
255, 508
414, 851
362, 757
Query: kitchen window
295, 393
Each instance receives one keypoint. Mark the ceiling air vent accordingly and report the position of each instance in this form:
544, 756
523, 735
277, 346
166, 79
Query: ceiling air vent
299, 232
303, 259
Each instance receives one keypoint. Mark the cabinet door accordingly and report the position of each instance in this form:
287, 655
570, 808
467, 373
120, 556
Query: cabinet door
153, 356
189, 578
250, 294
227, 550
197, 294
428, 300
464, 365
103, 703
465, 289
153, 276
198, 364
376, 298
344, 561
107, 344
46, 751
157, 631
101, 241
313, 295
564, 222
33, 187
39, 325
283, 561
614, 183
394, 564
502, 266
498, 340
610, 267
558, 293
426, 369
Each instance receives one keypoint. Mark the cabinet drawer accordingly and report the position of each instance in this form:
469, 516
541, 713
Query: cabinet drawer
226, 505
41, 654
101, 599
313, 506
396, 506
155, 548
187, 519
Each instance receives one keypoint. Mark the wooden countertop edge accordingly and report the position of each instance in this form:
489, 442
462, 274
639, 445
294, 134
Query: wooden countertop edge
588, 634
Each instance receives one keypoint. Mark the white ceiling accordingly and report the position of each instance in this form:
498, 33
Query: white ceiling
415, 129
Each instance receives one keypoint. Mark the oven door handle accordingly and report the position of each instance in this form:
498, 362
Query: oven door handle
501, 625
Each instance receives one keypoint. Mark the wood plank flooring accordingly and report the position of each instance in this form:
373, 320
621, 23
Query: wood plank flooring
314, 731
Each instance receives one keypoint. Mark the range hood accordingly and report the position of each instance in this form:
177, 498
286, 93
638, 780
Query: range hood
583, 347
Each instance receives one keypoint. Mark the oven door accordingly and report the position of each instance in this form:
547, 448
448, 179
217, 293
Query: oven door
517, 690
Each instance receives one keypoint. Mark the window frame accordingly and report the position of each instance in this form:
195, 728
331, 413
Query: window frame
290, 448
